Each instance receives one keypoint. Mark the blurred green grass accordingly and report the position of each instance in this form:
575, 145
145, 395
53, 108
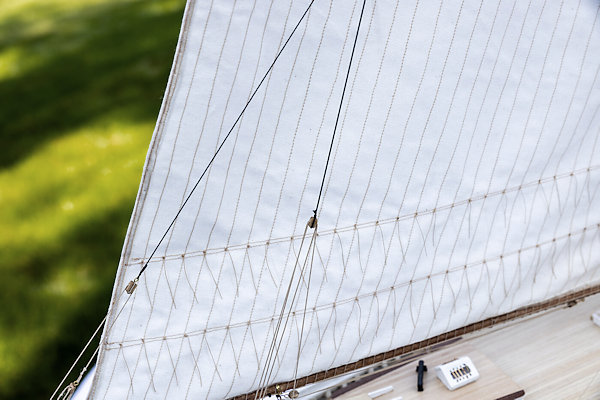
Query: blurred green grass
80, 89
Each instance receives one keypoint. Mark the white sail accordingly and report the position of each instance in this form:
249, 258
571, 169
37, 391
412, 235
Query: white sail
463, 184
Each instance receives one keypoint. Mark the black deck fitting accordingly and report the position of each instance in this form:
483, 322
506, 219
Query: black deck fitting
421, 368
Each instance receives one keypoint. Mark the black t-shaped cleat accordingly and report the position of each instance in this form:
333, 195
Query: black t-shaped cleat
421, 368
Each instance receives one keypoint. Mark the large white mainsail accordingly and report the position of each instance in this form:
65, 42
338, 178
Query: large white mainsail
463, 185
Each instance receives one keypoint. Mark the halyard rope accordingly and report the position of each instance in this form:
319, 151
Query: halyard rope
224, 140
77, 359
76, 382
337, 119
276, 342
312, 223
132, 285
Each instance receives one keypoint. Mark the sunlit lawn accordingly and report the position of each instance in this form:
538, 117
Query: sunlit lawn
80, 88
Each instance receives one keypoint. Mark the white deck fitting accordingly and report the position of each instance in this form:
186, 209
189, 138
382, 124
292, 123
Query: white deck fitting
552, 355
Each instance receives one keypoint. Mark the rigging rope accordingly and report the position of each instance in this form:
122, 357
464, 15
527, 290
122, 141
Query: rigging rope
77, 360
312, 261
222, 144
337, 119
75, 383
133, 284
312, 223
276, 342
69, 391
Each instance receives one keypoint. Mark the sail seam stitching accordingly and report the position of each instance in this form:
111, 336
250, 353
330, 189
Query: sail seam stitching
363, 225
456, 268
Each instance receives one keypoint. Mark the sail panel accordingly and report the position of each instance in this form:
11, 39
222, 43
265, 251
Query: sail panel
463, 185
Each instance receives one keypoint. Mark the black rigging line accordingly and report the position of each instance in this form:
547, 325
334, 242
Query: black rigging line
337, 119
224, 140
274, 348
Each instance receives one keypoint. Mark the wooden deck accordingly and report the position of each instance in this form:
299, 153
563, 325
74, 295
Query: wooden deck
551, 355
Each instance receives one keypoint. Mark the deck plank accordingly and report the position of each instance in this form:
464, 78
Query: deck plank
551, 355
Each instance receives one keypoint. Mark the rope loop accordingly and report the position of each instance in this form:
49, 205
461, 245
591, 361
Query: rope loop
69, 390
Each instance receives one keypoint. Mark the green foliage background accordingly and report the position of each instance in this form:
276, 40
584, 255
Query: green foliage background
80, 89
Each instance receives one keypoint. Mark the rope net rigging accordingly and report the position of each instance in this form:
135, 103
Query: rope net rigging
462, 185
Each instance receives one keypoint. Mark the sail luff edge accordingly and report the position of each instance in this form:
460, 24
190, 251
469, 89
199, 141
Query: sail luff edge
145, 182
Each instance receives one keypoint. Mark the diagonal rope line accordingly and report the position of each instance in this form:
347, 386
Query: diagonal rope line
277, 340
79, 357
311, 253
225, 139
69, 391
191, 192
272, 351
84, 350
337, 118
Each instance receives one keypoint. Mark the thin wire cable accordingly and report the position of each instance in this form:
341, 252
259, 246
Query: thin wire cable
264, 375
224, 140
70, 389
312, 261
88, 343
271, 357
279, 341
191, 192
78, 357
337, 119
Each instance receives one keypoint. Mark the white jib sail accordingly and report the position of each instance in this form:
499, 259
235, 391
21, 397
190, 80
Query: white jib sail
463, 184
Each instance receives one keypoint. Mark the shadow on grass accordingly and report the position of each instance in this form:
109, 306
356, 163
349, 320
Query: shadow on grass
109, 58
55, 324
